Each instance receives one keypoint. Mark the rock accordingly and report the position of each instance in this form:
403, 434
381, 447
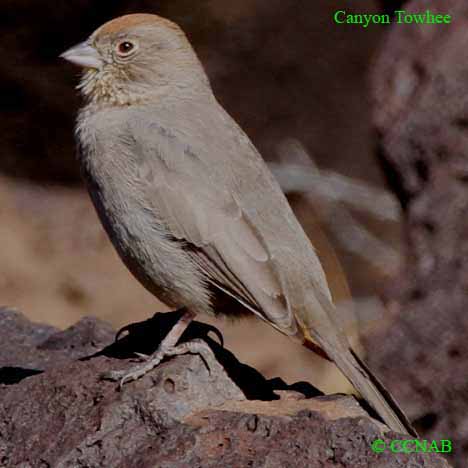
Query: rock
420, 92
57, 412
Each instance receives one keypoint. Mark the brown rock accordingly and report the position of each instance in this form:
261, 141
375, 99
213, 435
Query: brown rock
58, 413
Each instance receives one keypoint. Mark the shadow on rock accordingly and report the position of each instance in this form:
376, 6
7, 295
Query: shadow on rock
13, 375
144, 337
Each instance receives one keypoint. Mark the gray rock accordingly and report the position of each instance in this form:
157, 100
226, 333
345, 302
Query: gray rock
179, 415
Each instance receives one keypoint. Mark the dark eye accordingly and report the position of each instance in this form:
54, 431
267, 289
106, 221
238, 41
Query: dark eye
125, 47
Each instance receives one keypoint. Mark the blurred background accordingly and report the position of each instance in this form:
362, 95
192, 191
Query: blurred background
345, 117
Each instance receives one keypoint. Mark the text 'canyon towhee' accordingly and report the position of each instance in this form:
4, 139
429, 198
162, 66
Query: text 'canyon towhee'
190, 205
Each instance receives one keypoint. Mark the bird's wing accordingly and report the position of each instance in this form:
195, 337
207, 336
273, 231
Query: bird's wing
200, 203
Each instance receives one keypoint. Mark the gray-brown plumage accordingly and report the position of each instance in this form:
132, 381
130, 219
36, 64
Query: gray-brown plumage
187, 200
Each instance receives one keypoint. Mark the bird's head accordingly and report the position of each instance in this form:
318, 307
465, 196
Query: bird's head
135, 58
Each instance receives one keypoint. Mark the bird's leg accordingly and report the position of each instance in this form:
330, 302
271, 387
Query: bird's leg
167, 347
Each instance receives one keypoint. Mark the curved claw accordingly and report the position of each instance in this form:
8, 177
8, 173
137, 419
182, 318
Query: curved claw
218, 335
125, 328
122, 376
125, 378
142, 356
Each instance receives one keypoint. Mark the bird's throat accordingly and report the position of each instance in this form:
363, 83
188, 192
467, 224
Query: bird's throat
101, 88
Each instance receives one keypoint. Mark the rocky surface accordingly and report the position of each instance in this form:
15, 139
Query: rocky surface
420, 90
55, 411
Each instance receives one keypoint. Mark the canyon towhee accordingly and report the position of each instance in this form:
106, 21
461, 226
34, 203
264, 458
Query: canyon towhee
190, 205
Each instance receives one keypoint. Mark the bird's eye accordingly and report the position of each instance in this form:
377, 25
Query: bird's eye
125, 48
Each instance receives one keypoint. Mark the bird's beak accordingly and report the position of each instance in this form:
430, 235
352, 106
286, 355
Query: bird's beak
83, 55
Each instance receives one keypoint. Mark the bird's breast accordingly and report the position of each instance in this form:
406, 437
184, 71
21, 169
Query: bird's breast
140, 237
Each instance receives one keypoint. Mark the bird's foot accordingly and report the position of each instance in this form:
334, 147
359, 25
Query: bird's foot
148, 363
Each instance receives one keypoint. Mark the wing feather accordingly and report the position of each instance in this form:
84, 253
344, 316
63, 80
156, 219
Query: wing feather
207, 216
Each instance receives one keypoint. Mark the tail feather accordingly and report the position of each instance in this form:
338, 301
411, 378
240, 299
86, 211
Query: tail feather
373, 391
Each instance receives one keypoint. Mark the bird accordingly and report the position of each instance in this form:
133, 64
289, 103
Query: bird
190, 205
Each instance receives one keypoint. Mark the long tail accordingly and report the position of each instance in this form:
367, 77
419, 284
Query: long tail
372, 390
